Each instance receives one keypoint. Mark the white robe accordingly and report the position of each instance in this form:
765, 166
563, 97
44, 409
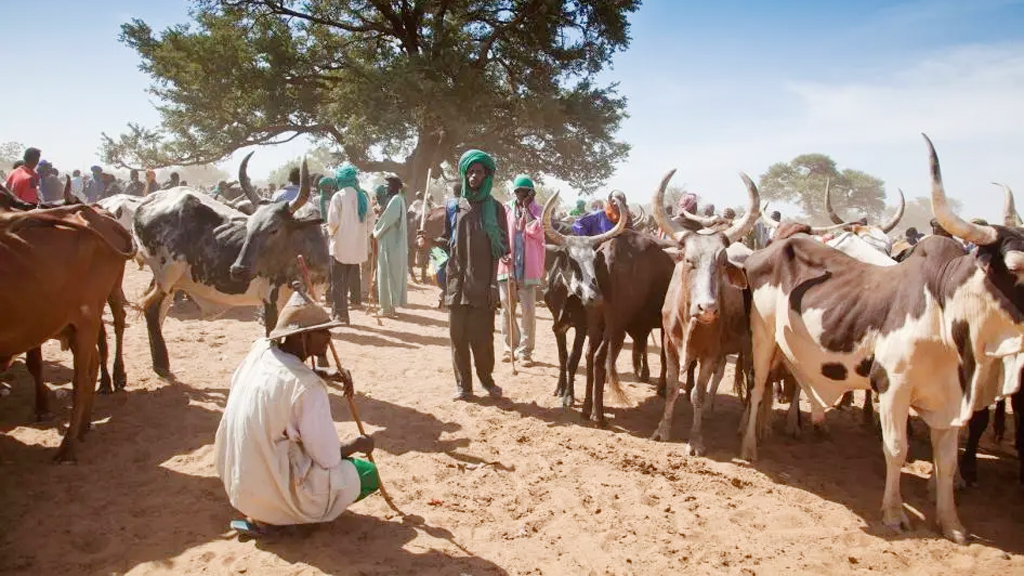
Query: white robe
350, 238
277, 451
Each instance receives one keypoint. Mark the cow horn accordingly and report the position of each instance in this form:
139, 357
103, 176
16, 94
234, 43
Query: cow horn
738, 230
889, 225
978, 234
667, 225
828, 204
303, 196
243, 180
554, 236
819, 230
68, 198
1010, 216
705, 221
619, 226
771, 224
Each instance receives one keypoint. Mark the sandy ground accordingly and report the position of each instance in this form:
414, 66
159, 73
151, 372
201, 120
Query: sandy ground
513, 487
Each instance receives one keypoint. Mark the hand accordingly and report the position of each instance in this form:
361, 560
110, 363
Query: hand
363, 445
343, 377
506, 259
421, 239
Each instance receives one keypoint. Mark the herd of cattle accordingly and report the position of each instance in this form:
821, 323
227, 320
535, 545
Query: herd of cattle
941, 331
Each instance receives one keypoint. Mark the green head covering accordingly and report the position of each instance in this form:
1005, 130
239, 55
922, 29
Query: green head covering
347, 176
489, 214
522, 181
381, 192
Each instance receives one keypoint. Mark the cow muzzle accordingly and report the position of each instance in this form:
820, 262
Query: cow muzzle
704, 312
239, 271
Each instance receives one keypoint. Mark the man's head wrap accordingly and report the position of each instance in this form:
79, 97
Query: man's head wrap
688, 202
489, 207
347, 176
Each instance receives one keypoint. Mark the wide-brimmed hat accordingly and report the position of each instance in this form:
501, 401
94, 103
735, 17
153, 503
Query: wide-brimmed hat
300, 315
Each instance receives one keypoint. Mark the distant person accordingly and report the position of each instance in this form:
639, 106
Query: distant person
391, 232
687, 203
729, 214
708, 210
96, 186
520, 272
23, 181
348, 227
913, 236
174, 181
78, 185
151, 184
111, 187
276, 449
601, 221
135, 187
290, 191
51, 189
580, 209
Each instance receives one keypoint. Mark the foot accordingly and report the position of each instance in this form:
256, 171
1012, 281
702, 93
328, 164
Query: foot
464, 395
694, 448
525, 360
506, 357
493, 391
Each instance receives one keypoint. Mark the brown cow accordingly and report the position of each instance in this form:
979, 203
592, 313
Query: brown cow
69, 260
704, 316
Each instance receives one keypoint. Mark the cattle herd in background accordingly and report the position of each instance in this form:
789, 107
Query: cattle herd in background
827, 309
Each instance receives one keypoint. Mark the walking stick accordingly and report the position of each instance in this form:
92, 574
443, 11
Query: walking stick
351, 402
511, 318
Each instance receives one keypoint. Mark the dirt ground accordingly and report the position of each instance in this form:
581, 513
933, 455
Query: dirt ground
510, 487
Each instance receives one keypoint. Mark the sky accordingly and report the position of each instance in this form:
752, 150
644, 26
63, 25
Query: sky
713, 88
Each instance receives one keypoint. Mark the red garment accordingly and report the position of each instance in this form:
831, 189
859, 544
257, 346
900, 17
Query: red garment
23, 182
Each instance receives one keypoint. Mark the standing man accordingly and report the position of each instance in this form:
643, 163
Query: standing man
78, 185
601, 221
521, 270
476, 232
392, 234
151, 184
51, 189
94, 189
290, 191
276, 448
348, 226
135, 186
23, 181
174, 182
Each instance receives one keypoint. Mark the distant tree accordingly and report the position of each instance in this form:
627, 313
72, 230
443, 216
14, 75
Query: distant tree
320, 160
919, 214
802, 182
400, 86
10, 152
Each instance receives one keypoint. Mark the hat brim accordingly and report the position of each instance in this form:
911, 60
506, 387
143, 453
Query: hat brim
276, 334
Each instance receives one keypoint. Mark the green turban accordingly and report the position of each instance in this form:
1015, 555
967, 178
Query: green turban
347, 176
381, 192
489, 216
522, 181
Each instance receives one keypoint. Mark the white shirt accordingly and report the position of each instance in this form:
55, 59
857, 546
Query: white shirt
350, 238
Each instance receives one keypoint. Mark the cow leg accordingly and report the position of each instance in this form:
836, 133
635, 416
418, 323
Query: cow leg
716, 380
793, 417
969, 461
944, 448
695, 447
104, 353
574, 363
661, 377
664, 430
563, 361
999, 425
1017, 402
763, 355
893, 412
868, 411
157, 347
600, 376
594, 340
847, 400
83, 348
116, 303
34, 363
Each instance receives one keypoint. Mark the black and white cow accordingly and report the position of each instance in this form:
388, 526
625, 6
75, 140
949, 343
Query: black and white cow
221, 257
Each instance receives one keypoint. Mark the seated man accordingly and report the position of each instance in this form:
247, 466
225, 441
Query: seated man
277, 451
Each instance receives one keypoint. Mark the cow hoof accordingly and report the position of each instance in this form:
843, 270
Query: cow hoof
748, 453
65, 455
695, 449
105, 389
162, 371
659, 435
897, 521
567, 402
956, 534
600, 421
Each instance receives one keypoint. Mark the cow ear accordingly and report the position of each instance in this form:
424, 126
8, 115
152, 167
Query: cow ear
735, 275
675, 253
553, 248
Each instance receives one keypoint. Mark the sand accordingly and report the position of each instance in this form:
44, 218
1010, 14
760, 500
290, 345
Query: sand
510, 487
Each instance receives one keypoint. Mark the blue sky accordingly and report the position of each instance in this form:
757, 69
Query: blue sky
713, 88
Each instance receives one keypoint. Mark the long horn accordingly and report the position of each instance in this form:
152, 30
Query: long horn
819, 230
1010, 216
667, 225
619, 226
977, 234
705, 221
828, 204
738, 230
554, 236
889, 225
68, 197
304, 186
243, 180
771, 224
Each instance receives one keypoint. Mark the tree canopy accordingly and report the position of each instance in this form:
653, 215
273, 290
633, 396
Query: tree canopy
802, 181
399, 86
10, 152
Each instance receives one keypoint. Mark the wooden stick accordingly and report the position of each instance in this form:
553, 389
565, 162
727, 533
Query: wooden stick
351, 402
511, 287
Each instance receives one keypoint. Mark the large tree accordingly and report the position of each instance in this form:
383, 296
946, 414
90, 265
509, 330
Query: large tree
398, 85
802, 181
10, 152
